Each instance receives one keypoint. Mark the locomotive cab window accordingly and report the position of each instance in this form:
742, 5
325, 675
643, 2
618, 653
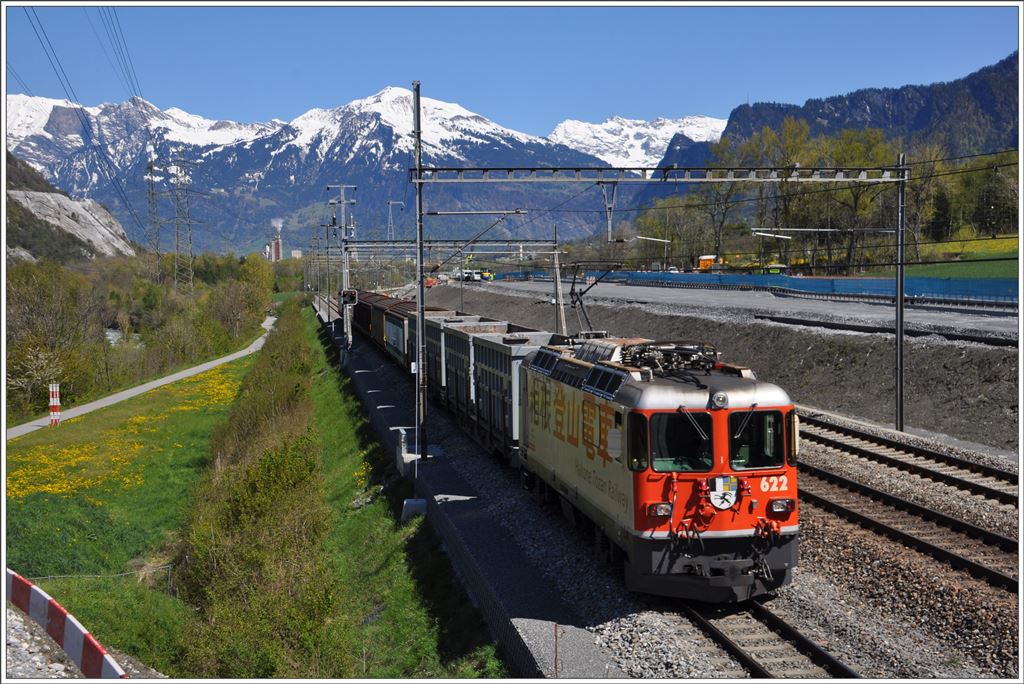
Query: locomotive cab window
756, 440
636, 434
681, 442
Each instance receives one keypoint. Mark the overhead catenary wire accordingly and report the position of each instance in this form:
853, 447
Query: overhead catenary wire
742, 200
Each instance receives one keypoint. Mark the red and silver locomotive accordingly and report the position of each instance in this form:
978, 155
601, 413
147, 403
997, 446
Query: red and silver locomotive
687, 464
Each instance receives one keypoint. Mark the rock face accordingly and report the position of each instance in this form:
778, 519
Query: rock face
85, 219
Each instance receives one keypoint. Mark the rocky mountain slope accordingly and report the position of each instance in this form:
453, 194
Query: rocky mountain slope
42, 222
969, 115
252, 177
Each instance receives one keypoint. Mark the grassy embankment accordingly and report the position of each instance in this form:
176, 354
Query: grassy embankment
296, 567
289, 559
105, 493
15, 418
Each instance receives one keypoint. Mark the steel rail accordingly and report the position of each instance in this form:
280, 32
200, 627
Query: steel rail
802, 644
981, 469
757, 670
954, 480
909, 332
809, 647
997, 541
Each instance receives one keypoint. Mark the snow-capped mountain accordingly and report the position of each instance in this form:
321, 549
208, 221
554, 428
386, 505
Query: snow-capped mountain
633, 142
46, 132
254, 173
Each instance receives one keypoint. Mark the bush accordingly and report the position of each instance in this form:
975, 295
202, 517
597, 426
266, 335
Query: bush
253, 562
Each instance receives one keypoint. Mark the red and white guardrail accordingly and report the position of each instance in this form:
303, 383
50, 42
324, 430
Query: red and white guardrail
75, 639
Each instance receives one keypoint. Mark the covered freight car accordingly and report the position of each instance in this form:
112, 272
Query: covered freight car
496, 379
362, 316
400, 329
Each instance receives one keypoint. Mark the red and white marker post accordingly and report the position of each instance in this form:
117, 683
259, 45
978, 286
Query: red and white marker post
54, 403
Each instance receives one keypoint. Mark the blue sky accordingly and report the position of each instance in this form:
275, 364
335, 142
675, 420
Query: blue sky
526, 68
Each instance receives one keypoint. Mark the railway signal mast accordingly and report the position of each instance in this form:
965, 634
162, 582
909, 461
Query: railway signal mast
343, 245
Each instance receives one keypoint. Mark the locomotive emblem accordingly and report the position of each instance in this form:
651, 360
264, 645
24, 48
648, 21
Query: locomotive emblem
724, 492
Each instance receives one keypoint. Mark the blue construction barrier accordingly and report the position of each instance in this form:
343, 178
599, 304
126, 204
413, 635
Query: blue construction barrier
985, 289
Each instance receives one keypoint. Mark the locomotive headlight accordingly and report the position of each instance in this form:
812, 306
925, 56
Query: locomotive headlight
781, 505
662, 509
719, 400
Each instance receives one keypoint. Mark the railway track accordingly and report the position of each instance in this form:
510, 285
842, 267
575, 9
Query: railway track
986, 481
764, 644
981, 552
992, 340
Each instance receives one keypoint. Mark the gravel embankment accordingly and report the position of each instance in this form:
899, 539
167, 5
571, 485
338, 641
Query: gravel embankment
962, 389
892, 612
991, 515
32, 654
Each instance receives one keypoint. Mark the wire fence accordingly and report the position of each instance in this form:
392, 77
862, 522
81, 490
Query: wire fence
999, 290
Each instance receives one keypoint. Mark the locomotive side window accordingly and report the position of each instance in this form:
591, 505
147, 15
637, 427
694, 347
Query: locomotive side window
636, 433
756, 439
681, 442
793, 437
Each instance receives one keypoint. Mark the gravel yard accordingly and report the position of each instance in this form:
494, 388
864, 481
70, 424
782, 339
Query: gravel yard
960, 389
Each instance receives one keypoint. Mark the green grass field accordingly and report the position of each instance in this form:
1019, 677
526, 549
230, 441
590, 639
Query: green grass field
401, 602
966, 257
105, 493
110, 492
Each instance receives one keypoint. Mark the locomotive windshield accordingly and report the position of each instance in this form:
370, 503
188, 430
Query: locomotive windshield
755, 439
681, 442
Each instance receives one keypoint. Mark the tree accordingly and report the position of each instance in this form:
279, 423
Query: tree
921, 193
258, 277
717, 200
852, 149
940, 224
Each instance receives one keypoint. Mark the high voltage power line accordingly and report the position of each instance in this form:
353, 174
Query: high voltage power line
69, 91
117, 72
12, 72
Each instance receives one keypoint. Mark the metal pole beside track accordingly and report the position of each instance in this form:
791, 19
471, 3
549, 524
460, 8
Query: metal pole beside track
900, 235
421, 347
